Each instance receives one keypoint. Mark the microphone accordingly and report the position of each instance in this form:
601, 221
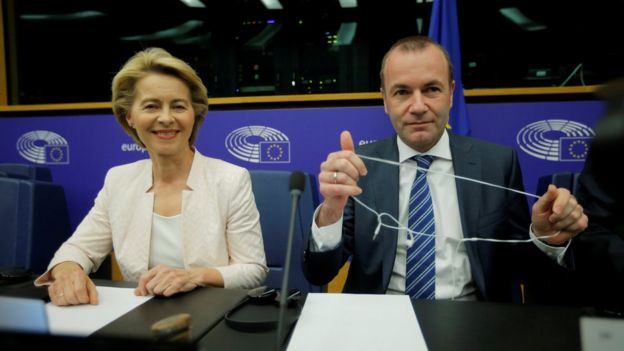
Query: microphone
296, 186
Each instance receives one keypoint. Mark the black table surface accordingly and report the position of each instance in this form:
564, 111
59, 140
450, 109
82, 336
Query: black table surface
472, 325
206, 306
446, 325
453, 325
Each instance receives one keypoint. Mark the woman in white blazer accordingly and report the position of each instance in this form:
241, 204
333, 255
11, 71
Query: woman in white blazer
176, 221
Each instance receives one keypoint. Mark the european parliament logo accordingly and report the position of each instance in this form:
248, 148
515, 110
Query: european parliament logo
43, 147
258, 144
556, 140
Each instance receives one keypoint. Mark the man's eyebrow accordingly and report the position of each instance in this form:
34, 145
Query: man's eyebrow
433, 82
398, 86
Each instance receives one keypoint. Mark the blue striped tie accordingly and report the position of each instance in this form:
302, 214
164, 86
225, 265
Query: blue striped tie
420, 265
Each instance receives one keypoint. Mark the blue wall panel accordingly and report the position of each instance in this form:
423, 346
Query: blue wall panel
80, 149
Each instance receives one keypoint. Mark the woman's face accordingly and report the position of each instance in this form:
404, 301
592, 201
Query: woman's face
162, 114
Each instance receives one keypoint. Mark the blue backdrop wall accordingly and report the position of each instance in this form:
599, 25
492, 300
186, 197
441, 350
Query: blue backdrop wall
549, 137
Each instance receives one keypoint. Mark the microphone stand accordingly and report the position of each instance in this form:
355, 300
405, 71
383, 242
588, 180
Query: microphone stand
295, 195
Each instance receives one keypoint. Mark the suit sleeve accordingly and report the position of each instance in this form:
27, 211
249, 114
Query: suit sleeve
543, 278
247, 268
320, 268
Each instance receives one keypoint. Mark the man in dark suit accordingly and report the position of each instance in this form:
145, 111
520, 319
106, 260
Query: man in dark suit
599, 251
417, 87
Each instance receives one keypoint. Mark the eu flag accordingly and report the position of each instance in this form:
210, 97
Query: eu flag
274, 151
56, 154
574, 148
444, 29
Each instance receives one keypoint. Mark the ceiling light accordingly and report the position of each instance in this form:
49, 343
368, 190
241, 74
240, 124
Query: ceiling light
348, 3
63, 16
194, 3
272, 4
345, 34
170, 33
262, 39
517, 17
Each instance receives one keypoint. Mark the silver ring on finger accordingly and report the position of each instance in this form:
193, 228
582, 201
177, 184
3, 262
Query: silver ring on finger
335, 177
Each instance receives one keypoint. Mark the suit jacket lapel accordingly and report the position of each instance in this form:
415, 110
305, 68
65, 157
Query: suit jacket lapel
467, 164
386, 199
192, 217
387, 192
138, 235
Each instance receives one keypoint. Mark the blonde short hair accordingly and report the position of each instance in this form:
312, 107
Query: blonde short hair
156, 60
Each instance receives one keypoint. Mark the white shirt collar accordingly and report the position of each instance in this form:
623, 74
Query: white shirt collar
442, 149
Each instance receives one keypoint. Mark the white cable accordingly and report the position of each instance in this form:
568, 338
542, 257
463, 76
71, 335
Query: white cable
411, 233
448, 175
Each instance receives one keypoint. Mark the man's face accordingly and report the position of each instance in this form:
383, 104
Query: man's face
417, 95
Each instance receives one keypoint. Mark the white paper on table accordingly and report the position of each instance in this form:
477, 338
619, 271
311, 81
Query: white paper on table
83, 320
357, 322
605, 334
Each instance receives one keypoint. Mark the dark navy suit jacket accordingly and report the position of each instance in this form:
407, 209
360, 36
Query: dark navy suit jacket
487, 212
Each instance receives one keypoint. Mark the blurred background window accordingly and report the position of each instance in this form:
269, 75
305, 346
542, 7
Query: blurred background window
68, 50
